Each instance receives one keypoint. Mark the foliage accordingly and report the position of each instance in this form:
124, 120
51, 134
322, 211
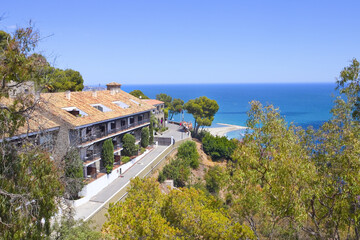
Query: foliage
107, 155
182, 214
199, 135
151, 129
138, 94
177, 106
166, 113
125, 159
30, 185
164, 98
214, 178
163, 129
179, 168
203, 110
348, 83
187, 152
218, 147
70, 229
142, 150
129, 147
63, 80
28, 198
73, 169
145, 135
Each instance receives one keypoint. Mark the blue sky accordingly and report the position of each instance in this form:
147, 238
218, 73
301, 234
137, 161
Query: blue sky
148, 42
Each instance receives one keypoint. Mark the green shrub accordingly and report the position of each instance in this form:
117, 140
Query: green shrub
178, 171
73, 173
107, 155
129, 147
145, 137
163, 129
214, 179
142, 150
125, 159
161, 177
218, 147
151, 129
187, 152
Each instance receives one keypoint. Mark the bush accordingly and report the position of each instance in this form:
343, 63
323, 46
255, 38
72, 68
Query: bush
163, 129
218, 147
145, 137
125, 159
214, 179
187, 152
73, 173
129, 147
107, 155
142, 150
201, 134
151, 129
178, 171
161, 177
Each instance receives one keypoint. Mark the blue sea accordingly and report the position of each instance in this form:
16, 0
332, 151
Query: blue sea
303, 104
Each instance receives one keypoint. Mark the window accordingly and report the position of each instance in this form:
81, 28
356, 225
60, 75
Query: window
135, 102
123, 122
121, 104
112, 125
75, 111
101, 107
132, 120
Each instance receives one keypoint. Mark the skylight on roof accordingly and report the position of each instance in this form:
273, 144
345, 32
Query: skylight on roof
101, 107
75, 111
121, 104
134, 101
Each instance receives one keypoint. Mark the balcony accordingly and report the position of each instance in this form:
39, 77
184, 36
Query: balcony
98, 134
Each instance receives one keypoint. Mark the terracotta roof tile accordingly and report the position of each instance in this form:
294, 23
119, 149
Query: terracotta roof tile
152, 101
83, 100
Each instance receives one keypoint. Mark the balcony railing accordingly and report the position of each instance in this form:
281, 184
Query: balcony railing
93, 156
99, 134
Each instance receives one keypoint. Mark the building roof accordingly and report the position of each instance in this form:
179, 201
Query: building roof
55, 102
153, 102
36, 121
113, 84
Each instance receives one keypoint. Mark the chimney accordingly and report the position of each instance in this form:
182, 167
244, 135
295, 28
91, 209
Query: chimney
94, 94
112, 91
68, 95
113, 86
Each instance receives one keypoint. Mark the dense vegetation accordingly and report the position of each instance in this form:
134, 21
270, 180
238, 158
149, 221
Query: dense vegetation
179, 168
32, 183
218, 147
147, 213
172, 106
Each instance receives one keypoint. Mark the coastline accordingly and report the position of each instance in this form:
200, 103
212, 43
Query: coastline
222, 131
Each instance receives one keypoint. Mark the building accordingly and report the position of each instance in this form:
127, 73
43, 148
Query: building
158, 112
87, 119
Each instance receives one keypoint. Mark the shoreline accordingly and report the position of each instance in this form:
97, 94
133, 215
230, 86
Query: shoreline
222, 131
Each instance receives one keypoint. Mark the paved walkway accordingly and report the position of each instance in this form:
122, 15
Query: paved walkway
86, 210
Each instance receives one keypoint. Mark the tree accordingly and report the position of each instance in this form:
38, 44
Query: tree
129, 147
138, 94
177, 106
272, 176
147, 213
218, 147
107, 155
164, 98
151, 129
73, 173
145, 135
348, 83
64, 80
203, 110
30, 185
70, 229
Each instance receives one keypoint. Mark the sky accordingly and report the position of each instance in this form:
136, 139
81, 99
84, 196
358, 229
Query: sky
198, 41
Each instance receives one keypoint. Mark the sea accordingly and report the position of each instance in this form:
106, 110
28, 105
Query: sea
303, 104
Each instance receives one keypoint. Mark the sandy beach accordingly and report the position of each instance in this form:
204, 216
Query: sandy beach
221, 131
